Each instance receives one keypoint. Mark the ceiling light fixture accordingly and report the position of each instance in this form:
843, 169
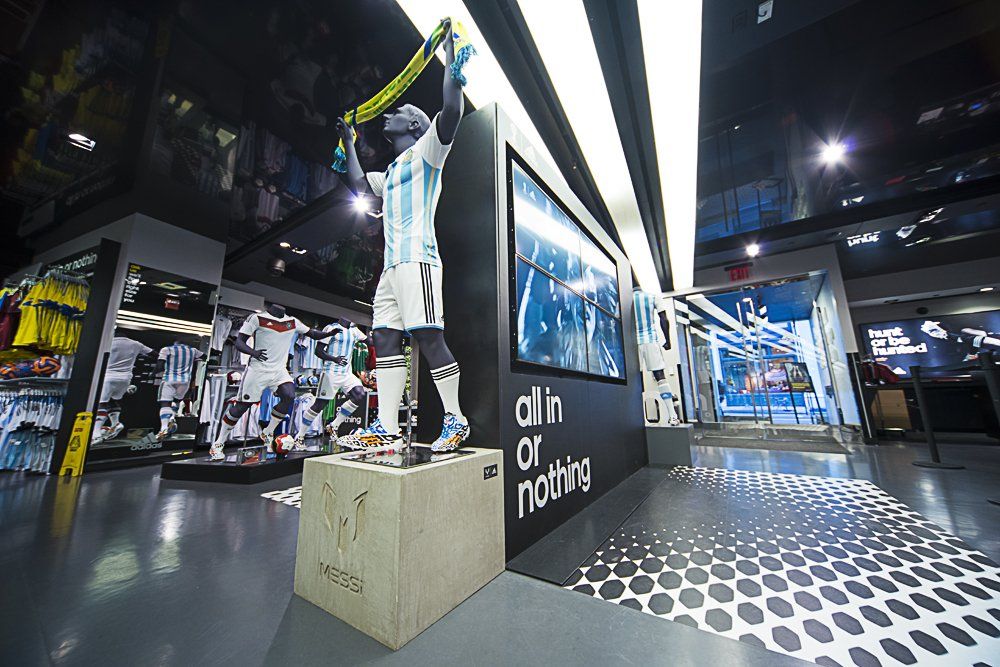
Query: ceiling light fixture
487, 82
833, 153
561, 31
985, 289
81, 141
285, 244
671, 46
753, 250
361, 204
299, 251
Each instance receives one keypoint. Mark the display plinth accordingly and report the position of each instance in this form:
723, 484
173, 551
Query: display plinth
391, 550
669, 445
202, 469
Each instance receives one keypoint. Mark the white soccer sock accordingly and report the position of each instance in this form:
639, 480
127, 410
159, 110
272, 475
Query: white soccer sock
391, 384
446, 381
102, 416
165, 416
667, 396
114, 415
276, 418
228, 423
343, 412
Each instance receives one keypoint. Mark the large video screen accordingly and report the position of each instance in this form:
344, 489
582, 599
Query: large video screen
567, 312
949, 340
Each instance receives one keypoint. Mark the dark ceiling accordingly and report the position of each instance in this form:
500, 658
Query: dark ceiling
911, 88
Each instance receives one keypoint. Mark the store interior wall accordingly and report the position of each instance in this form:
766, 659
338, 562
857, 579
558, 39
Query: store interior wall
927, 282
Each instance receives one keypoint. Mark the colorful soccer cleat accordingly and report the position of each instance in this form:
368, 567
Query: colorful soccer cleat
453, 434
373, 436
216, 452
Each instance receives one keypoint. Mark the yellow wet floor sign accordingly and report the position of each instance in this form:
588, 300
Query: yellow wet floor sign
72, 463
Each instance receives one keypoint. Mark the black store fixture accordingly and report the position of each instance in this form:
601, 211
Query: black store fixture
925, 416
991, 373
88, 352
602, 418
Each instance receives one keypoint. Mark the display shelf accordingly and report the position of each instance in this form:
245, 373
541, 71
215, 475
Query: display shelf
35, 380
202, 469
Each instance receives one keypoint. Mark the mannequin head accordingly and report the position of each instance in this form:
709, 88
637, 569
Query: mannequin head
274, 309
405, 121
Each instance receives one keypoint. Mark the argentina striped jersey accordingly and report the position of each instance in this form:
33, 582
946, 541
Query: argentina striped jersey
179, 360
646, 306
410, 188
341, 345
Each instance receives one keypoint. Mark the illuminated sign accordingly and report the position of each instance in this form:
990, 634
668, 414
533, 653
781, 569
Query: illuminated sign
863, 239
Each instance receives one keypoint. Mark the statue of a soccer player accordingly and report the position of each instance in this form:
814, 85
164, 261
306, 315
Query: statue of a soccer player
408, 297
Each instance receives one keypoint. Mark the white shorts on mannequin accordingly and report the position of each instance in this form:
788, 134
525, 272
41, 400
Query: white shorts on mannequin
408, 297
651, 357
330, 383
256, 380
173, 391
114, 387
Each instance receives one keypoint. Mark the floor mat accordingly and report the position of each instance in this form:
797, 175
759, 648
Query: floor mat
830, 570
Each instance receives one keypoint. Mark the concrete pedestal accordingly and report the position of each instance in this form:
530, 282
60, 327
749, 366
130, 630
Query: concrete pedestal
390, 550
669, 445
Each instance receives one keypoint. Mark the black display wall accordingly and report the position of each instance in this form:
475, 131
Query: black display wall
599, 440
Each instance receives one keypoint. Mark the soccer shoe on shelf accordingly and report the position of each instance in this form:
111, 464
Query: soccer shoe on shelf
373, 436
300, 442
171, 426
453, 434
216, 452
112, 432
162, 434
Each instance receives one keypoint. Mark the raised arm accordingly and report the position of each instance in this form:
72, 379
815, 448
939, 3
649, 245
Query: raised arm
451, 93
354, 176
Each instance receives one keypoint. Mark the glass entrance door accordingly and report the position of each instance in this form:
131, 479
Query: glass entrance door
760, 355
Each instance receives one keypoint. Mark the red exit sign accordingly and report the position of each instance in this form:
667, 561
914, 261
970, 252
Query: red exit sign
738, 272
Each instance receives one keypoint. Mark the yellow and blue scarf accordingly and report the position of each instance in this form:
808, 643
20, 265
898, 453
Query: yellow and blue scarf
382, 100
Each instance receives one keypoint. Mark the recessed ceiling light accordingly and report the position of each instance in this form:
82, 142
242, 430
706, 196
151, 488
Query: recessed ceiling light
360, 204
833, 153
985, 289
753, 250
285, 244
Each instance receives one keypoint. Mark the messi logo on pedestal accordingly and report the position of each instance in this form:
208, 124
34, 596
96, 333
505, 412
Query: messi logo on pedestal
346, 524
537, 409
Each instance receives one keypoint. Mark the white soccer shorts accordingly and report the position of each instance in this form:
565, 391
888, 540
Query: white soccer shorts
330, 382
173, 391
114, 388
651, 357
256, 380
408, 297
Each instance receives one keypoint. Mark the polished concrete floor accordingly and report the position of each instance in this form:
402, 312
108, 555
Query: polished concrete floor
124, 568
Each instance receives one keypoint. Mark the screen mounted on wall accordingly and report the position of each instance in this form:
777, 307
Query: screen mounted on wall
948, 340
567, 310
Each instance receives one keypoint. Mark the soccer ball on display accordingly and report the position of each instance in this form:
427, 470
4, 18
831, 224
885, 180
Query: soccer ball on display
283, 443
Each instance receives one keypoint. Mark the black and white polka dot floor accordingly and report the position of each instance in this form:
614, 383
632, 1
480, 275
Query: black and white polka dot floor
835, 571
291, 496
